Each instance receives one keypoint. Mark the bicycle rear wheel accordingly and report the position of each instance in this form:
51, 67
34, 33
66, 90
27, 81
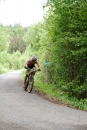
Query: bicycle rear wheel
30, 85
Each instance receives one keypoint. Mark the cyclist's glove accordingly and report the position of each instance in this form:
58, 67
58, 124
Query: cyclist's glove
25, 67
39, 69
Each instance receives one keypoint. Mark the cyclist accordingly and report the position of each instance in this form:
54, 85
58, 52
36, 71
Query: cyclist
30, 64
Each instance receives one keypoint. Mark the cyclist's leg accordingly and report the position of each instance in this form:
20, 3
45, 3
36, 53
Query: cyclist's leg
34, 67
31, 80
26, 75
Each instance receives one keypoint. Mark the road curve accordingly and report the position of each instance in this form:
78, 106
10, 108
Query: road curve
20, 110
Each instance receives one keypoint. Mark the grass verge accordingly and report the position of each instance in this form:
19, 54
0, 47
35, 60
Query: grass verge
59, 96
54, 94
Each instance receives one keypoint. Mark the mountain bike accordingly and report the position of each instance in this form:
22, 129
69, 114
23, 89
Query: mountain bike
29, 83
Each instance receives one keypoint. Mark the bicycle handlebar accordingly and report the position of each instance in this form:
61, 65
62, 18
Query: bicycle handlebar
33, 70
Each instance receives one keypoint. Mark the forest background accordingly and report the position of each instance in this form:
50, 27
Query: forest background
60, 43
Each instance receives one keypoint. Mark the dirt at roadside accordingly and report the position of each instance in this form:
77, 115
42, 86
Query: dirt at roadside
51, 99
46, 97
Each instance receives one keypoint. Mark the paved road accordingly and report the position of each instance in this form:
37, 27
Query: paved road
20, 110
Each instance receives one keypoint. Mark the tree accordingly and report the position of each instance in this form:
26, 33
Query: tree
4, 39
67, 28
17, 42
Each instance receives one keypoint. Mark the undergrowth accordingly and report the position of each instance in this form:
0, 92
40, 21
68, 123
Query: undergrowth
57, 94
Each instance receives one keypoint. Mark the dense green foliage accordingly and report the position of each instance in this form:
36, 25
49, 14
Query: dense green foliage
17, 42
67, 27
59, 42
12, 47
4, 39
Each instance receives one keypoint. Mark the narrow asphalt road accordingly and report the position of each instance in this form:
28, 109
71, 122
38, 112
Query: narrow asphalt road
20, 110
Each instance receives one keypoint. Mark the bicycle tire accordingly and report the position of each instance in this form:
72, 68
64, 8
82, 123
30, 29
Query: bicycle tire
26, 84
30, 85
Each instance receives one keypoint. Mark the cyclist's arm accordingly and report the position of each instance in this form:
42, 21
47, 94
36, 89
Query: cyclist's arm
38, 65
25, 64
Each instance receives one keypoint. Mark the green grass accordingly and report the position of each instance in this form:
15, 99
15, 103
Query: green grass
52, 91
55, 93
4, 70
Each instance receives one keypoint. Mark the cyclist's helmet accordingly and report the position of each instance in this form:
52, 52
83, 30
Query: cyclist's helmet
34, 58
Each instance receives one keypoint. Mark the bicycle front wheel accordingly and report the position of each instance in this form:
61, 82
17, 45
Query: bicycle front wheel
31, 81
26, 84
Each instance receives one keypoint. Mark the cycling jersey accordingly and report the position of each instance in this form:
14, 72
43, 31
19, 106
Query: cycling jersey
31, 63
